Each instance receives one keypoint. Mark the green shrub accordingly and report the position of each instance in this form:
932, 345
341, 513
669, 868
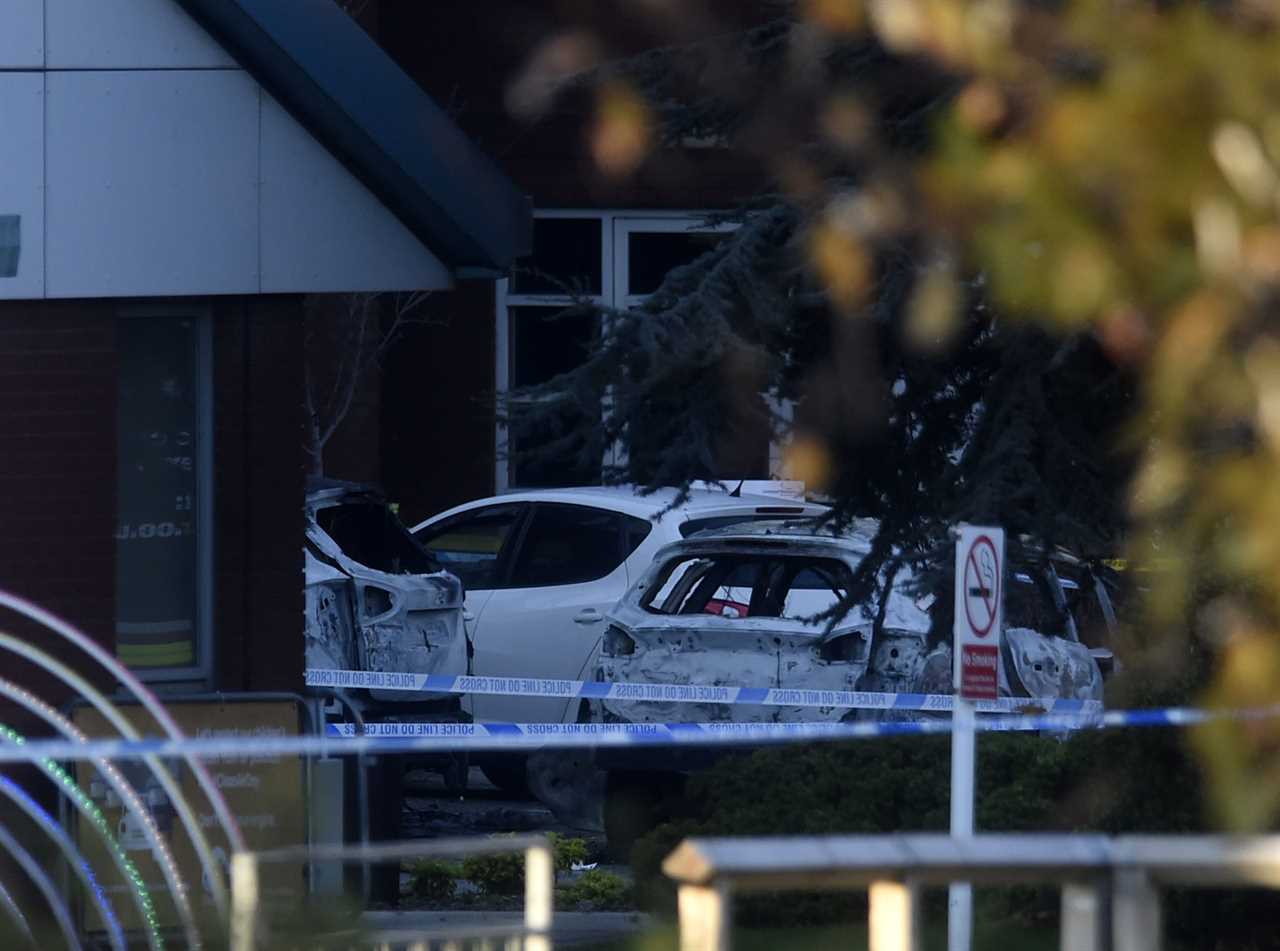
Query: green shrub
604, 890
567, 852
495, 874
1111, 782
504, 874
434, 879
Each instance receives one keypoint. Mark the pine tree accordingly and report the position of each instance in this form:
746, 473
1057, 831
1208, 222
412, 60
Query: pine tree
1001, 423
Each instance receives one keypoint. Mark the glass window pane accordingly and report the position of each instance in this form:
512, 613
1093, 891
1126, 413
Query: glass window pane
548, 341
566, 258
568, 544
156, 572
470, 545
650, 255
637, 530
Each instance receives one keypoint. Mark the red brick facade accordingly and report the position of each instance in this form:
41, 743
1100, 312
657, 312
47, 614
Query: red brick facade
58, 379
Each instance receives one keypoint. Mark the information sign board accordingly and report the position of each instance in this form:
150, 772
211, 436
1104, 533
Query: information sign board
264, 793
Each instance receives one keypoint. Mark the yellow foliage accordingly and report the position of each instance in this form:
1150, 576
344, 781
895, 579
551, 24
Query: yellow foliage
623, 130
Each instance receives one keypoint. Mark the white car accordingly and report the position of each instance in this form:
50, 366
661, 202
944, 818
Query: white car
543, 567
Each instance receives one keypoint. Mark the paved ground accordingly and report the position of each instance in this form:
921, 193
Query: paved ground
430, 811
569, 928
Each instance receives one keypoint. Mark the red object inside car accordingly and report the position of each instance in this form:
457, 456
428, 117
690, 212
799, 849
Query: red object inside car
722, 608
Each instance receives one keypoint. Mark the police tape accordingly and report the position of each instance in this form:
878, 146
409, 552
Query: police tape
340, 739
681, 693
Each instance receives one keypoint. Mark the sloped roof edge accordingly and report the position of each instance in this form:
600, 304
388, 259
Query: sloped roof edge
349, 94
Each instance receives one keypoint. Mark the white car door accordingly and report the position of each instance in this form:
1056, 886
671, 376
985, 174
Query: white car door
547, 617
476, 546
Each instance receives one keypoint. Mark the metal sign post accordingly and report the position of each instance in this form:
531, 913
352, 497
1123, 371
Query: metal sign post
978, 598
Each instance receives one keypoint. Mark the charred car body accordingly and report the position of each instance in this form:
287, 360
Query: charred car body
751, 606
377, 601
743, 606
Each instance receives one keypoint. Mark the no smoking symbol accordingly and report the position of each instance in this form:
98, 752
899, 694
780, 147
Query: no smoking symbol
981, 585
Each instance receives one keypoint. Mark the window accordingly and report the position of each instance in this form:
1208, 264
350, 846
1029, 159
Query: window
545, 342
164, 564
567, 257
1089, 599
568, 544
637, 530
613, 259
471, 544
370, 534
1028, 603
744, 585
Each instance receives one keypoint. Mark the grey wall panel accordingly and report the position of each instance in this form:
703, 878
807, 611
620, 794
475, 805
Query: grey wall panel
21, 34
322, 230
127, 34
22, 183
152, 183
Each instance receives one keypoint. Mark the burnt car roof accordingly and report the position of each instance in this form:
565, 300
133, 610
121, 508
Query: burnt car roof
859, 532
337, 491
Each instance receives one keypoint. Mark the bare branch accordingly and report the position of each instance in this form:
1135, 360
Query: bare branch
357, 347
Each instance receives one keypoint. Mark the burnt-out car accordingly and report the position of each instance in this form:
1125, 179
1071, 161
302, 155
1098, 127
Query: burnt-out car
749, 606
752, 606
376, 600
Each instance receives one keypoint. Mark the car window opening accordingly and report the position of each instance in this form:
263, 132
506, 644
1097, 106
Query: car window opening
739, 586
373, 536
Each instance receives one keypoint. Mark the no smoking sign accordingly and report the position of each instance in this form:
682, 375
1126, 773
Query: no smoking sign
978, 598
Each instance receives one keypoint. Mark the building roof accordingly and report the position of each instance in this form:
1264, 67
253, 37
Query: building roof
349, 94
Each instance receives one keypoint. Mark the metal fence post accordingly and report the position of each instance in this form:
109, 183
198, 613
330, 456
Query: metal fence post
244, 901
1083, 917
894, 921
704, 912
1135, 912
539, 892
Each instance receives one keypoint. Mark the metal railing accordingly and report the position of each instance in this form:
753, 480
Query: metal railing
1110, 886
248, 932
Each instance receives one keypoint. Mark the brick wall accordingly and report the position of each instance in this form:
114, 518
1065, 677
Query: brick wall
467, 55
258, 497
58, 369
57, 471
437, 397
